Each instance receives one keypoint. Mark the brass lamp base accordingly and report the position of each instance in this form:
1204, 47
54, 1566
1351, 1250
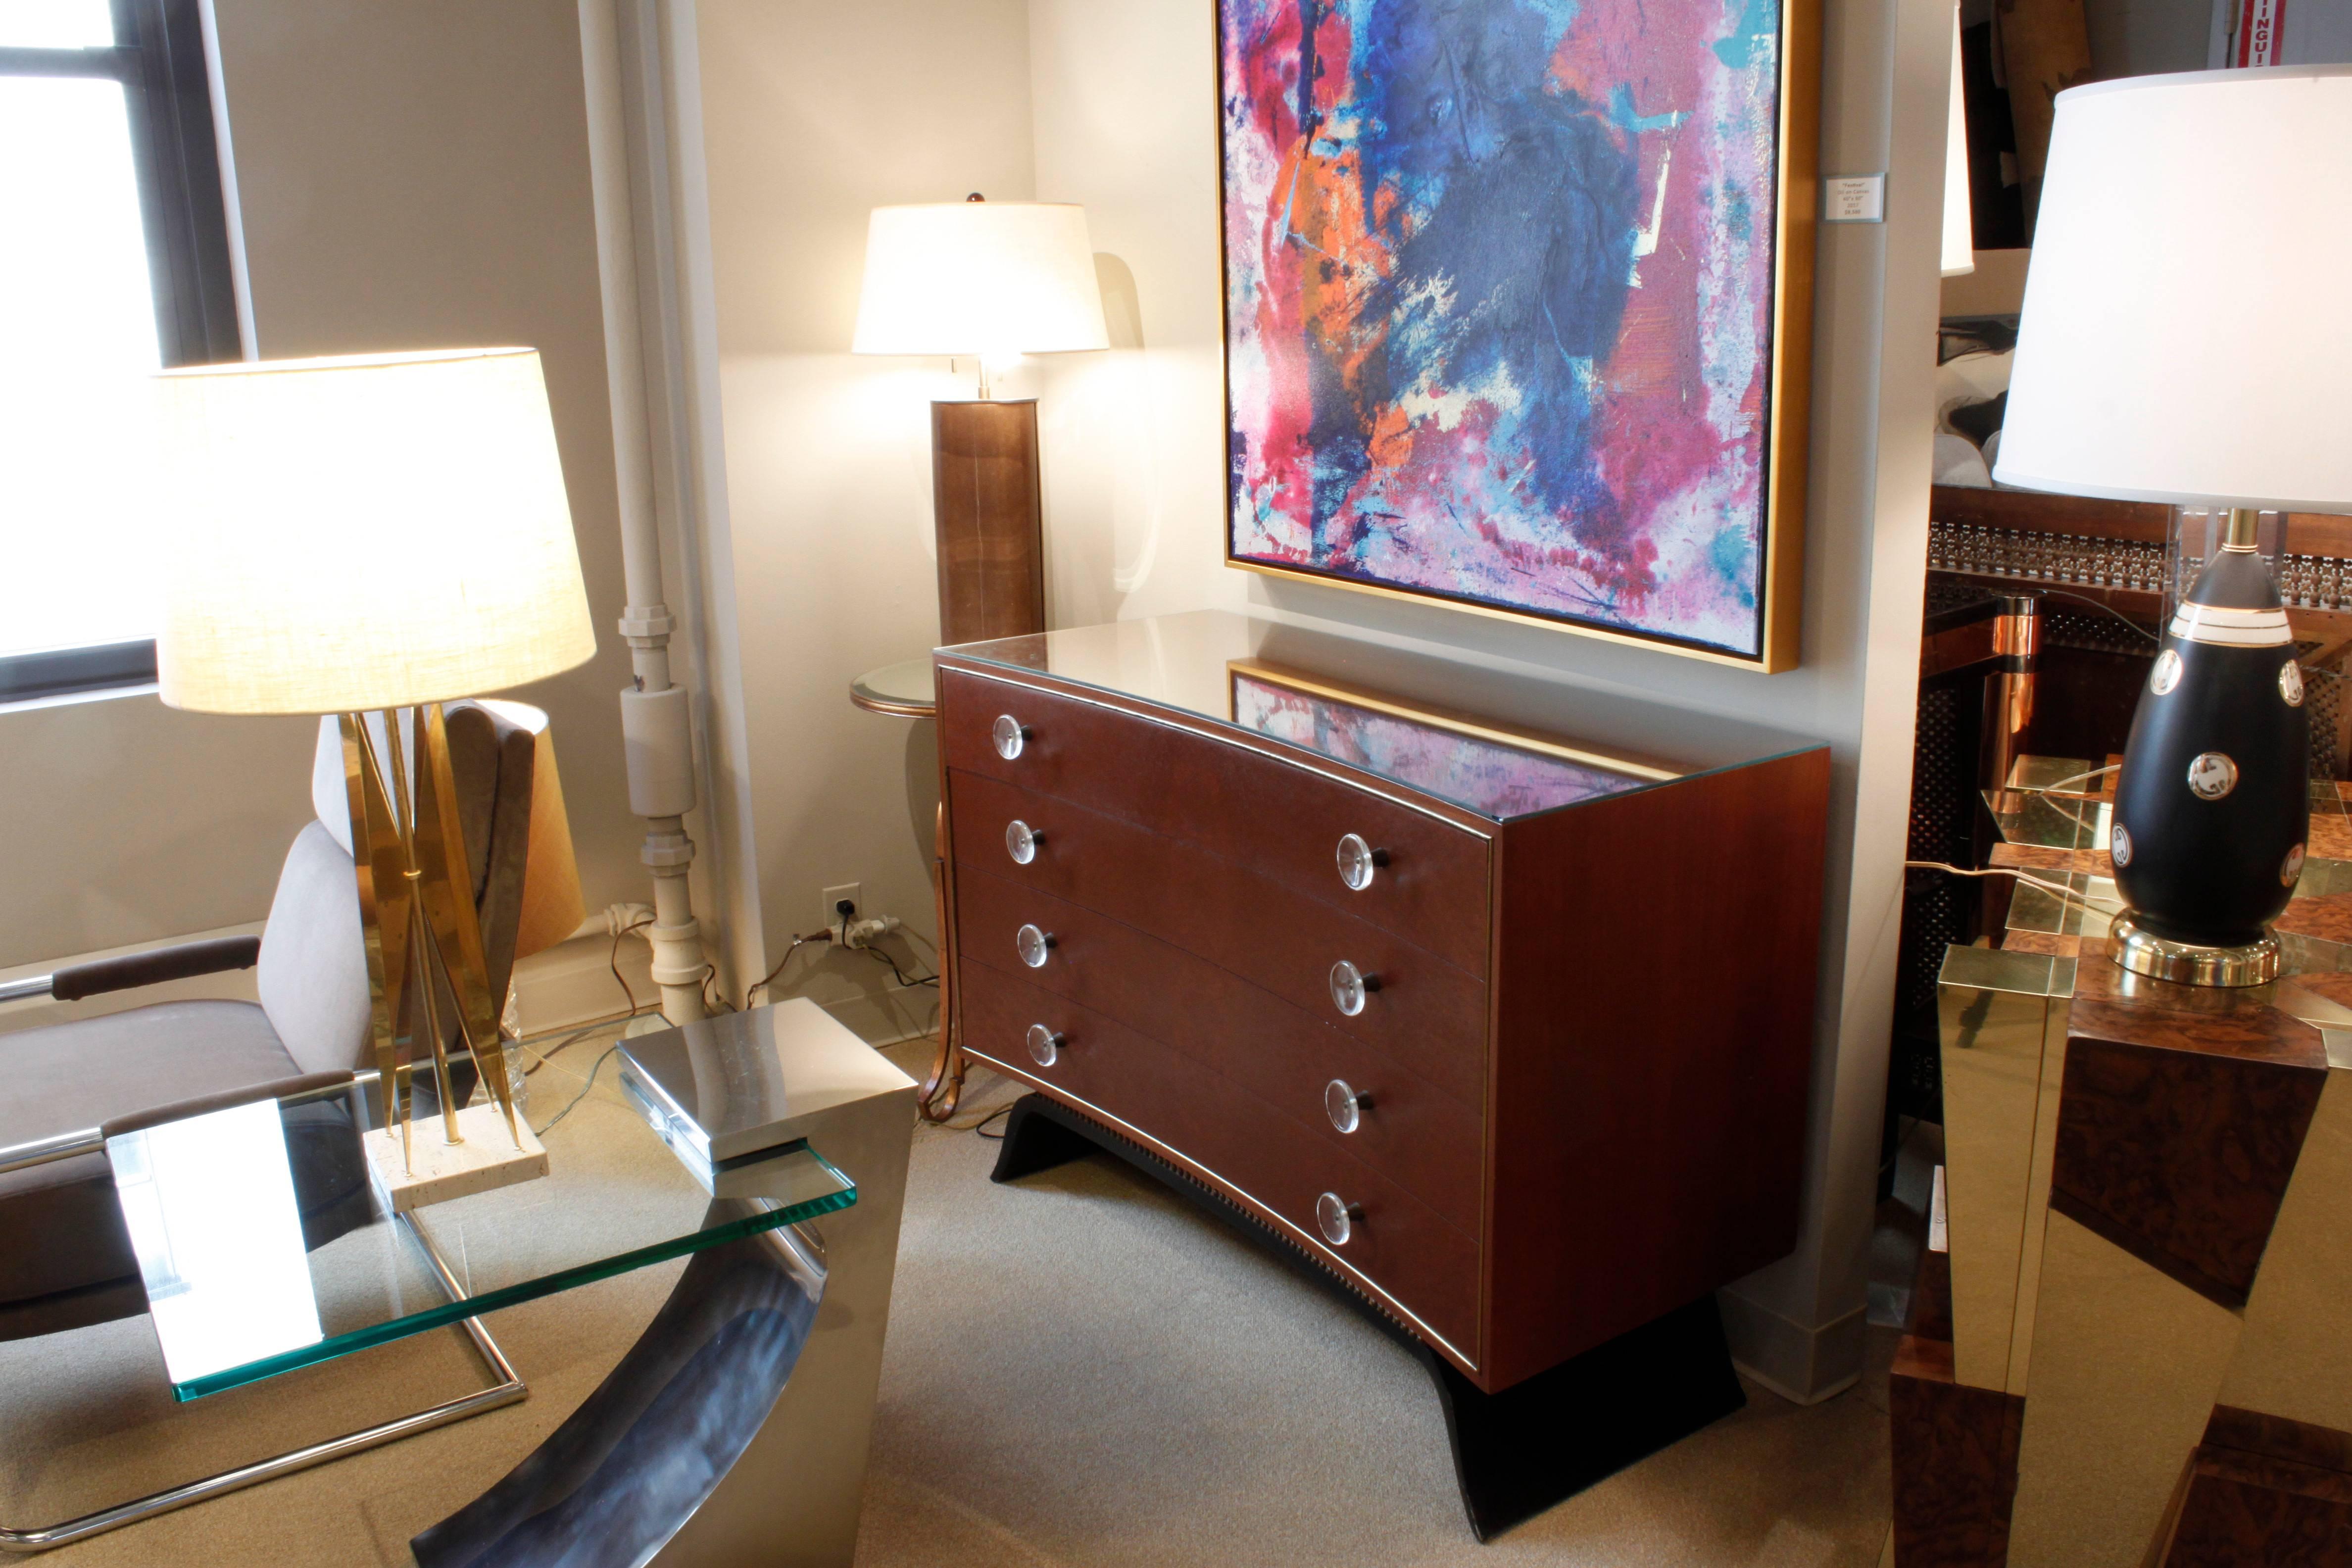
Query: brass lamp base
2192, 964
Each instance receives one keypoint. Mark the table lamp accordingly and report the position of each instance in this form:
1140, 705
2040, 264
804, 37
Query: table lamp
994, 280
2186, 337
369, 537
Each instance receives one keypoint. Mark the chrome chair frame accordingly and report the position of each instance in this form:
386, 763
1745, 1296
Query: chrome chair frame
507, 1388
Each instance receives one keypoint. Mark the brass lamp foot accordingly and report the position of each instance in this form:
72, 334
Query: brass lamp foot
2192, 964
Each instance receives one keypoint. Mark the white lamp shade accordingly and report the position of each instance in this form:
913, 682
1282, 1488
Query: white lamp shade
2188, 325
1960, 216
365, 532
979, 278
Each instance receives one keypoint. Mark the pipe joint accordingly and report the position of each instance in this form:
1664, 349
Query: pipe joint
648, 623
665, 851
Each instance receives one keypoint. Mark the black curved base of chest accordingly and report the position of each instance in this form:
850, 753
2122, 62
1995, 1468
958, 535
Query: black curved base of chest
1516, 1453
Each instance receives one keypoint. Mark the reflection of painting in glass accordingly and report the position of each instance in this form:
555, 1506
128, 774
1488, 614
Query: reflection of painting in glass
1487, 776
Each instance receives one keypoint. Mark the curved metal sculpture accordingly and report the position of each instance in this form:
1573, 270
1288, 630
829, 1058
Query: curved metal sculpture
626, 1470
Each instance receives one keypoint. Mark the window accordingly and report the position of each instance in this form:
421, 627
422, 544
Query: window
116, 261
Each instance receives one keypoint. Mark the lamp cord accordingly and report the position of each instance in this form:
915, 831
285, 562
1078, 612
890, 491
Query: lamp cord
2053, 889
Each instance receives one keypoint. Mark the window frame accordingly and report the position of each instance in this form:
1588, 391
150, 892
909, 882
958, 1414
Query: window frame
159, 56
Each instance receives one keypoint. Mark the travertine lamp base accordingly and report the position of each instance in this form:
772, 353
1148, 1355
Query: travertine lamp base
434, 1170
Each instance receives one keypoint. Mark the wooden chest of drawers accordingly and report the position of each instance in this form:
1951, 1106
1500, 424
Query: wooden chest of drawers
1510, 1032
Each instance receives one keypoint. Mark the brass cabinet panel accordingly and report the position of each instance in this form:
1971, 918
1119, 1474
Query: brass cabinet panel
2294, 1358
2127, 1366
1996, 1023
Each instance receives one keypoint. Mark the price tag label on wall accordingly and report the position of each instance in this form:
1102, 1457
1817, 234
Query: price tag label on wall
1854, 198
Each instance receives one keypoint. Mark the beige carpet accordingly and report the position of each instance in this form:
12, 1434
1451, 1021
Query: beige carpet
1083, 1370
1080, 1370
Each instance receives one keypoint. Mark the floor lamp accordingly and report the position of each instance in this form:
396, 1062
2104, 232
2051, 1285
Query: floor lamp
992, 281
369, 538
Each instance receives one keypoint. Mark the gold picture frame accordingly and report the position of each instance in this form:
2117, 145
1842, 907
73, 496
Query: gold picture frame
1779, 588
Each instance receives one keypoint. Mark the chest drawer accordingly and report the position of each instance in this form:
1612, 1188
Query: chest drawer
1395, 1242
1161, 988
1416, 1133
1283, 819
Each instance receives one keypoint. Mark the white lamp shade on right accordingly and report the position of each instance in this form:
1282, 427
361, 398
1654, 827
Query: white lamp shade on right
994, 279
1959, 214
365, 532
2186, 335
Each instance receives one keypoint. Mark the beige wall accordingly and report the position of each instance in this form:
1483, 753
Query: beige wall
813, 113
411, 176
1125, 96
415, 175
1125, 114
122, 821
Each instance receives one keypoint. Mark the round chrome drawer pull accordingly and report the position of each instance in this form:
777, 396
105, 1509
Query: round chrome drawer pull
1349, 986
1345, 1105
1338, 1218
1034, 945
1045, 1046
1358, 860
1021, 841
1009, 734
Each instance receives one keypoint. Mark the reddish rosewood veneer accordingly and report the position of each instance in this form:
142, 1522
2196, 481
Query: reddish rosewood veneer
1588, 1051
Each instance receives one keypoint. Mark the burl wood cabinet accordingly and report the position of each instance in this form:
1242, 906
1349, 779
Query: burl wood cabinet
1507, 1027
2139, 1349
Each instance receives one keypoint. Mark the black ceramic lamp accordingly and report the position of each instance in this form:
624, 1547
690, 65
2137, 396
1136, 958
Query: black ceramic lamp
2187, 337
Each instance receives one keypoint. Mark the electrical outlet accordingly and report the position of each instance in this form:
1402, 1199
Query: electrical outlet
853, 892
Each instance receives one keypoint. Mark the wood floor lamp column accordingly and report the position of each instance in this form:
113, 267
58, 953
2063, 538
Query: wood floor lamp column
990, 511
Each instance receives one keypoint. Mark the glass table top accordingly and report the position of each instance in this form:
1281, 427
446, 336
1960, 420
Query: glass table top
905, 688
2066, 804
1500, 743
265, 1246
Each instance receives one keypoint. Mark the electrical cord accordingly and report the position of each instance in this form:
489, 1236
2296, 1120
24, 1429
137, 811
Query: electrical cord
978, 1127
2053, 889
798, 942
585, 1087
2071, 815
2107, 609
712, 1001
539, 1058
2047, 790
903, 980
2072, 778
616, 963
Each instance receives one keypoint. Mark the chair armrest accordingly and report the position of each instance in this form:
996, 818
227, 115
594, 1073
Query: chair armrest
214, 957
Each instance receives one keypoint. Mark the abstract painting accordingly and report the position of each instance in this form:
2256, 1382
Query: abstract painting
1512, 287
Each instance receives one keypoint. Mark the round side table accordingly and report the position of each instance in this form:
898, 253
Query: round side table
907, 690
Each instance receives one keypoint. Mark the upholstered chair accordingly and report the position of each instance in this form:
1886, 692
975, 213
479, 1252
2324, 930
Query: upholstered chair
65, 1260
